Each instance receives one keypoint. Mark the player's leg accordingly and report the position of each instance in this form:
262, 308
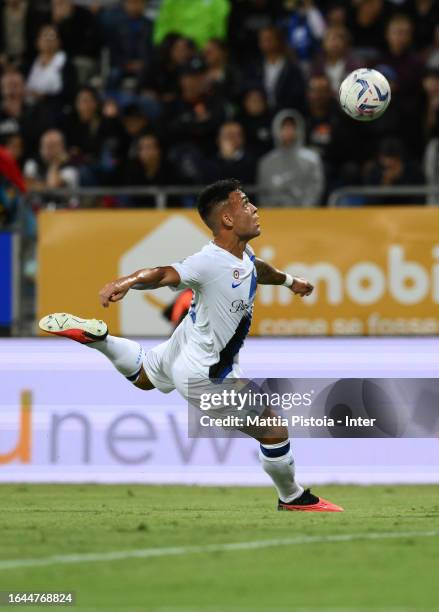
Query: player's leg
277, 461
274, 451
126, 355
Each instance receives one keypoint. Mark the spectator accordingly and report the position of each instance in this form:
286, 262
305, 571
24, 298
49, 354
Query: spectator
52, 80
366, 24
195, 116
197, 19
148, 169
160, 78
408, 67
20, 22
233, 160
281, 78
430, 84
135, 122
192, 121
335, 61
392, 168
53, 169
336, 15
256, 119
290, 175
221, 77
115, 149
128, 34
77, 28
14, 144
14, 31
91, 137
16, 116
321, 112
306, 27
425, 16
247, 18
82, 127
389, 124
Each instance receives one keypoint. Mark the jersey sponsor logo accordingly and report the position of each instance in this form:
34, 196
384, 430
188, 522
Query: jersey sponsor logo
234, 285
240, 306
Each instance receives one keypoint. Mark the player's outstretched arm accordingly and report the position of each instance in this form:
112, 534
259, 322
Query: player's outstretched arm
268, 275
149, 278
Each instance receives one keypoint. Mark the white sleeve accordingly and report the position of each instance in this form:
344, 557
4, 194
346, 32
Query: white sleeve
30, 169
194, 271
70, 176
316, 23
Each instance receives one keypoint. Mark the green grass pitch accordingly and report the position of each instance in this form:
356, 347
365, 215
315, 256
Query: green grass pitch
398, 569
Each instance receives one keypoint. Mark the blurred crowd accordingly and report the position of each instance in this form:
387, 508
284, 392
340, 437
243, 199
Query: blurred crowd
159, 93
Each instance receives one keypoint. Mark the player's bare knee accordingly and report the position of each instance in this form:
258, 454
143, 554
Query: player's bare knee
143, 382
274, 435
271, 433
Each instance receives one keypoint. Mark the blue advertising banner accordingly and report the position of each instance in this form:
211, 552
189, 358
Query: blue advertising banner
6, 278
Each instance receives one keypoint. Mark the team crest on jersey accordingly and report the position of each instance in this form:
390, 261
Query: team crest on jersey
236, 274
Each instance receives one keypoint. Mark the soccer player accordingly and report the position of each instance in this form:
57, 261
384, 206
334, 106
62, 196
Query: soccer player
223, 276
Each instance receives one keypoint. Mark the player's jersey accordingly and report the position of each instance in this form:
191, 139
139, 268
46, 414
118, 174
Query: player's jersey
220, 315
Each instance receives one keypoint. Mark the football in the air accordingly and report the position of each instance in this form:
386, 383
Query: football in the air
365, 94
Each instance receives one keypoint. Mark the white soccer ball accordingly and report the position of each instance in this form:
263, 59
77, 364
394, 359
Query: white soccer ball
365, 94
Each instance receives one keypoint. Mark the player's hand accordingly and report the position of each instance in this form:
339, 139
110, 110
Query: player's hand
302, 287
112, 292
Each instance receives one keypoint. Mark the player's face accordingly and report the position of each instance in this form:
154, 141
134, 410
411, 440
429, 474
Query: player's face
245, 216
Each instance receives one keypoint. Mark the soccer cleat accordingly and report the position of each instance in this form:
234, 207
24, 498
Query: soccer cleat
84, 331
308, 502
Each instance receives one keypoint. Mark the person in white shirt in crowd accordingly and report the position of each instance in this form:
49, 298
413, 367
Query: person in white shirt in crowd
53, 169
51, 74
280, 77
335, 60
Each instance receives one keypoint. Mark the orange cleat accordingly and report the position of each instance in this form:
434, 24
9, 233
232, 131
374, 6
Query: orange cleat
84, 331
308, 502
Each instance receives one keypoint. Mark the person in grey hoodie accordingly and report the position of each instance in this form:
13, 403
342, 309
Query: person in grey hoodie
290, 174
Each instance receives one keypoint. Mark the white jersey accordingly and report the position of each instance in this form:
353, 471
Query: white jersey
220, 315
